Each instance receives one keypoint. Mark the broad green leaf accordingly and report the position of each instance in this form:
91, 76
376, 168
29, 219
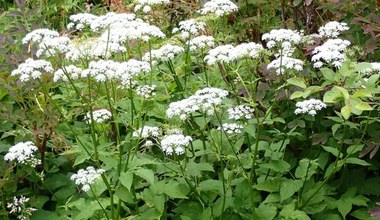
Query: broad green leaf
331, 150
306, 167
280, 166
346, 111
296, 94
146, 174
344, 92
332, 96
289, 187
211, 185
328, 74
269, 185
363, 106
176, 190
195, 169
362, 93
357, 161
296, 81
362, 66
265, 212
354, 148
126, 179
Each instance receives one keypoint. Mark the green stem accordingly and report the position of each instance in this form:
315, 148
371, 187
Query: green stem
97, 200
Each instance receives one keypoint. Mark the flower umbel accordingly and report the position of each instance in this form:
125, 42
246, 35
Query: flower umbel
18, 206
310, 106
23, 153
86, 177
175, 143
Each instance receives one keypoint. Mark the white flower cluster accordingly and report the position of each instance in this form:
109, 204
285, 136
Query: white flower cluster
331, 52
18, 206
375, 68
79, 21
99, 116
94, 49
189, 28
131, 30
203, 100
147, 131
165, 53
86, 177
175, 143
231, 128
218, 8
228, 53
49, 42
23, 153
281, 64
240, 112
32, 69
201, 42
332, 29
281, 36
103, 70
146, 91
145, 5
71, 70
310, 106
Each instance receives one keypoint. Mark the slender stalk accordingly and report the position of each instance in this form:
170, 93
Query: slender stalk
97, 200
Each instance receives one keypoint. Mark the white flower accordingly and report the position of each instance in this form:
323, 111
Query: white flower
201, 42
146, 131
283, 64
18, 206
332, 29
228, 53
111, 20
103, 70
99, 116
189, 28
332, 52
94, 49
73, 71
283, 39
224, 54
250, 49
146, 5
165, 53
203, 100
146, 91
38, 35
310, 106
86, 177
32, 69
240, 112
375, 68
80, 20
218, 8
23, 153
231, 128
175, 143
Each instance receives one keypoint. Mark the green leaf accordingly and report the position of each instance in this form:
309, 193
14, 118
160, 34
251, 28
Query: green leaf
146, 174
211, 185
195, 169
126, 179
328, 74
296, 94
265, 212
332, 96
176, 190
362, 93
363, 106
331, 150
357, 161
296, 81
362, 66
344, 92
289, 187
354, 148
269, 185
346, 111
280, 166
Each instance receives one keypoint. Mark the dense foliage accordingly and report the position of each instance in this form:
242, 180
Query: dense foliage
189, 110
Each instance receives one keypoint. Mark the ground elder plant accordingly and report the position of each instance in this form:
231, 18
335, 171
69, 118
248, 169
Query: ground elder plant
122, 119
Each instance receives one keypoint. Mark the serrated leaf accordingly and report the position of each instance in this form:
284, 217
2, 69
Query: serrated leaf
289, 187
296, 81
146, 174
